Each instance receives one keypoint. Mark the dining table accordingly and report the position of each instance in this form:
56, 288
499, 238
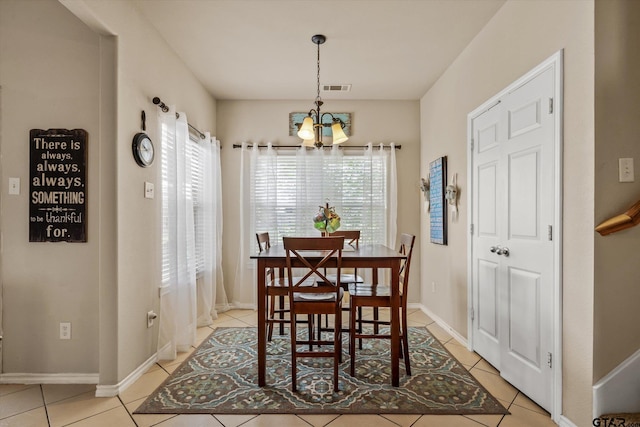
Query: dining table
375, 256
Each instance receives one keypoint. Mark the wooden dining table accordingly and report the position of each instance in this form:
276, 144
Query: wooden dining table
361, 257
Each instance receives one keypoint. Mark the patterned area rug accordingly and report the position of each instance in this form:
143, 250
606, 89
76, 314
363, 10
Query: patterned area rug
220, 377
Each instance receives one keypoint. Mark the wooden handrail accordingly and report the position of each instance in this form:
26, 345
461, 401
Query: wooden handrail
620, 222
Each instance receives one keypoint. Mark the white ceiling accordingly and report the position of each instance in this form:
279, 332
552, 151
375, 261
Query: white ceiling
262, 49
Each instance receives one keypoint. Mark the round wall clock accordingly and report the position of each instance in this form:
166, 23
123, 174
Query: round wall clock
142, 149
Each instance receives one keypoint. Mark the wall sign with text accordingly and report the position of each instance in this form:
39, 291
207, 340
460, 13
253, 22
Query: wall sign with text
57, 188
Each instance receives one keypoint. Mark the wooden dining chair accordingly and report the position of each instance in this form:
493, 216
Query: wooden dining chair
310, 255
276, 290
377, 296
352, 240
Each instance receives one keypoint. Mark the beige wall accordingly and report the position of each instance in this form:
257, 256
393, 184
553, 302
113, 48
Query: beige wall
267, 121
617, 125
49, 70
145, 67
56, 71
519, 37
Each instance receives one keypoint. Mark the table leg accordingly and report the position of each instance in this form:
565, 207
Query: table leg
395, 324
262, 323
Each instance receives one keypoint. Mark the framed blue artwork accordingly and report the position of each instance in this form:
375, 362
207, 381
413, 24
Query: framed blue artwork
295, 121
437, 202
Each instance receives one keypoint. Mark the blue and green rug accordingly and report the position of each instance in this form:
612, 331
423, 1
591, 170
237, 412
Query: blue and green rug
221, 377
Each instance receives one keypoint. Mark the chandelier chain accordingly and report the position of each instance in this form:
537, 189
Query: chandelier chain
312, 127
318, 75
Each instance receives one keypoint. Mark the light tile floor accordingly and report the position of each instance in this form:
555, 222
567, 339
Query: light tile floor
63, 405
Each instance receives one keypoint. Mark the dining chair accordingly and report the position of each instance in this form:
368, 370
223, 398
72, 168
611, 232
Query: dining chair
311, 255
377, 296
276, 289
352, 241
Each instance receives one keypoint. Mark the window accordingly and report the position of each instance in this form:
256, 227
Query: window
169, 210
199, 205
193, 192
288, 190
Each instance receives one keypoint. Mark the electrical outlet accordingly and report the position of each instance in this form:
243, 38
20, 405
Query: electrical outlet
14, 186
65, 330
625, 170
151, 316
149, 192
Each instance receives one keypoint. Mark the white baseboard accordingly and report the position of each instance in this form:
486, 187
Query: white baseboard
116, 389
49, 378
566, 422
617, 392
444, 325
71, 378
241, 306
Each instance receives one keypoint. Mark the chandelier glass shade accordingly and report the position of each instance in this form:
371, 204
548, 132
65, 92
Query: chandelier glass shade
311, 128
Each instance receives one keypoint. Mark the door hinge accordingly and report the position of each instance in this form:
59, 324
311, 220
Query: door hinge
550, 105
471, 144
471, 229
550, 232
472, 314
549, 359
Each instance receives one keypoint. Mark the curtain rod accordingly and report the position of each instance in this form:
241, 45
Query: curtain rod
397, 147
165, 109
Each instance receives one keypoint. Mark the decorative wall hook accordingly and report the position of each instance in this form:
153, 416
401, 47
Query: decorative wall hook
451, 194
425, 188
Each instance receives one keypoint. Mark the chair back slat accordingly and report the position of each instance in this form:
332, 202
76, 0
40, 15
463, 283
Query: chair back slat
264, 242
351, 237
406, 248
313, 253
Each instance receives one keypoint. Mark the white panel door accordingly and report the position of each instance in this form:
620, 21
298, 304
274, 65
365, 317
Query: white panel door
487, 221
512, 251
528, 158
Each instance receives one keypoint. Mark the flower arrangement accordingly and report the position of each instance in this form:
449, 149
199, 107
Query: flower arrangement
326, 219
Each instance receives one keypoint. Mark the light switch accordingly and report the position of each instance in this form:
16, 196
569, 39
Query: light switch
14, 186
625, 170
148, 190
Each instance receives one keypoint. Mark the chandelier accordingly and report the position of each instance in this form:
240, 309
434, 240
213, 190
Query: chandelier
312, 125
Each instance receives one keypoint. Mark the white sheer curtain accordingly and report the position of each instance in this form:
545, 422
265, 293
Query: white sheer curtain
392, 196
211, 294
177, 325
244, 291
281, 191
192, 278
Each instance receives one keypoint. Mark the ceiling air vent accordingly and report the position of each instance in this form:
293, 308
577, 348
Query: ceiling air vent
336, 88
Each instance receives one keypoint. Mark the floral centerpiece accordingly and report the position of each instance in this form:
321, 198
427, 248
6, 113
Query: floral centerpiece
326, 219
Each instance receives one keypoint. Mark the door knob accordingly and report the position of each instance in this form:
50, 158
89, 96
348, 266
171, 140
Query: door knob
494, 249
503, 251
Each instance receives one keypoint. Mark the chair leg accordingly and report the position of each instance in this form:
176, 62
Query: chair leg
310, 331
352, 339
360, 326
293, 352
376, 317
405, 342
272, 309
337, 348
281, 314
